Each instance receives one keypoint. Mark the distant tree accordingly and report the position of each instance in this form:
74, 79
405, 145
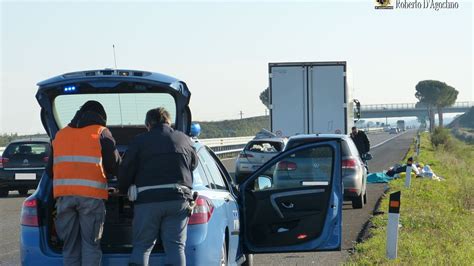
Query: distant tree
435, 94
423, 116
265, 97
447, 98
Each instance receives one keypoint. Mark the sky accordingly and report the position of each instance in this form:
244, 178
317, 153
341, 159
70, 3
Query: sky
222, 49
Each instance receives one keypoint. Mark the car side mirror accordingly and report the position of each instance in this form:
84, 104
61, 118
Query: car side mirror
367, 156
263, 182
357, 110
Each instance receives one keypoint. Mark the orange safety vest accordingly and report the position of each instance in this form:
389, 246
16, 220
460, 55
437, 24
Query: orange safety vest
77, 168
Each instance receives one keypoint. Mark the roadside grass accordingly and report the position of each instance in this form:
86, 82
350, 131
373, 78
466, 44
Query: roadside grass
437, 218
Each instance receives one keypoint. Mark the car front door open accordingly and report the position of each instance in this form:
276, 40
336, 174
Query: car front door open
294, 201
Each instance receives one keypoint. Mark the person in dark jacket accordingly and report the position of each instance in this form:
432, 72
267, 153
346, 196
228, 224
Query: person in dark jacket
360, 140
160, 164
84, 144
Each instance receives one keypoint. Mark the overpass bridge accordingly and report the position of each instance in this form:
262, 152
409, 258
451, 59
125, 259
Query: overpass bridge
407, 109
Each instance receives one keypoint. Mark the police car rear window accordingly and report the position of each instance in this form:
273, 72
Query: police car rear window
123, 109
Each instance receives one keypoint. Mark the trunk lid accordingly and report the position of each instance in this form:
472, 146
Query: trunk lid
125, 94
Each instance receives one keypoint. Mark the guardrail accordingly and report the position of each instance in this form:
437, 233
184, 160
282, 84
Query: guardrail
407, 106
373, 129
225, 147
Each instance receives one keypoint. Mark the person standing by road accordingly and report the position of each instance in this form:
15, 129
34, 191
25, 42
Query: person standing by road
83, 153
160, 164
361, 141
414, 167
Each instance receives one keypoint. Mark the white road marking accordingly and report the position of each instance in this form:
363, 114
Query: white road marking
385, 141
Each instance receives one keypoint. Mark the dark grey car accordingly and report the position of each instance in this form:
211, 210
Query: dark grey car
22, 164
354, 172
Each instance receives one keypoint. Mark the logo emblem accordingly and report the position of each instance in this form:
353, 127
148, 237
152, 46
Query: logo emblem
383, 4
26, 162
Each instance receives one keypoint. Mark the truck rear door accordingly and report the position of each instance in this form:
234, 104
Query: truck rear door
328, 99
288, 99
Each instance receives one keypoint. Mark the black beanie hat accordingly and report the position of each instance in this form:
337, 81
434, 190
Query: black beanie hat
94, 106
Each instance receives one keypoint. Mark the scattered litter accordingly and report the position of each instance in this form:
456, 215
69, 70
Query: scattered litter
427, 172
399, 171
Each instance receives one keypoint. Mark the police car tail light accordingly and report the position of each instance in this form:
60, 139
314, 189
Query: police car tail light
202, 212
3, 161
29, 212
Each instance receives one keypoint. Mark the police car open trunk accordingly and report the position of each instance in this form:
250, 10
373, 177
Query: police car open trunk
126, 96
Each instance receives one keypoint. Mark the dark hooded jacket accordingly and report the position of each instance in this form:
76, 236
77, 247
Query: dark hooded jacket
110, 155
361, 141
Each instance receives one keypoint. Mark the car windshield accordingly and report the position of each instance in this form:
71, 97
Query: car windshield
123, 109
264, 146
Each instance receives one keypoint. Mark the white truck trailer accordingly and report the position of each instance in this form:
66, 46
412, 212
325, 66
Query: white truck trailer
310, 97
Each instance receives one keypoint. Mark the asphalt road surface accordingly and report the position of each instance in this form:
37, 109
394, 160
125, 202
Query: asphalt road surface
353, 220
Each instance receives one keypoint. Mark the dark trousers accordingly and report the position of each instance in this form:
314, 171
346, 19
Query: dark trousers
79, 223
167, 221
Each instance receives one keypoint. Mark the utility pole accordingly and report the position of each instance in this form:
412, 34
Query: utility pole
115, 59
241, 114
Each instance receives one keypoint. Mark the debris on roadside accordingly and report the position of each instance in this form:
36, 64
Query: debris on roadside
380, 177
399, 171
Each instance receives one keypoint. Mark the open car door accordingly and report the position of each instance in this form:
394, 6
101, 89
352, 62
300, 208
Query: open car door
294, 202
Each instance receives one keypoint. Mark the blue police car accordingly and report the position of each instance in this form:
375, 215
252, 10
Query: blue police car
292, 203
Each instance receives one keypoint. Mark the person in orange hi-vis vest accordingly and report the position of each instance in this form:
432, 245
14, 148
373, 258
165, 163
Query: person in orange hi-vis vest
83, 154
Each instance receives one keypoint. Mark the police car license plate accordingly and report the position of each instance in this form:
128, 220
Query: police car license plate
25, 176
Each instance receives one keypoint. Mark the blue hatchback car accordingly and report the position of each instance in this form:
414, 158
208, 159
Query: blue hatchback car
228, 222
